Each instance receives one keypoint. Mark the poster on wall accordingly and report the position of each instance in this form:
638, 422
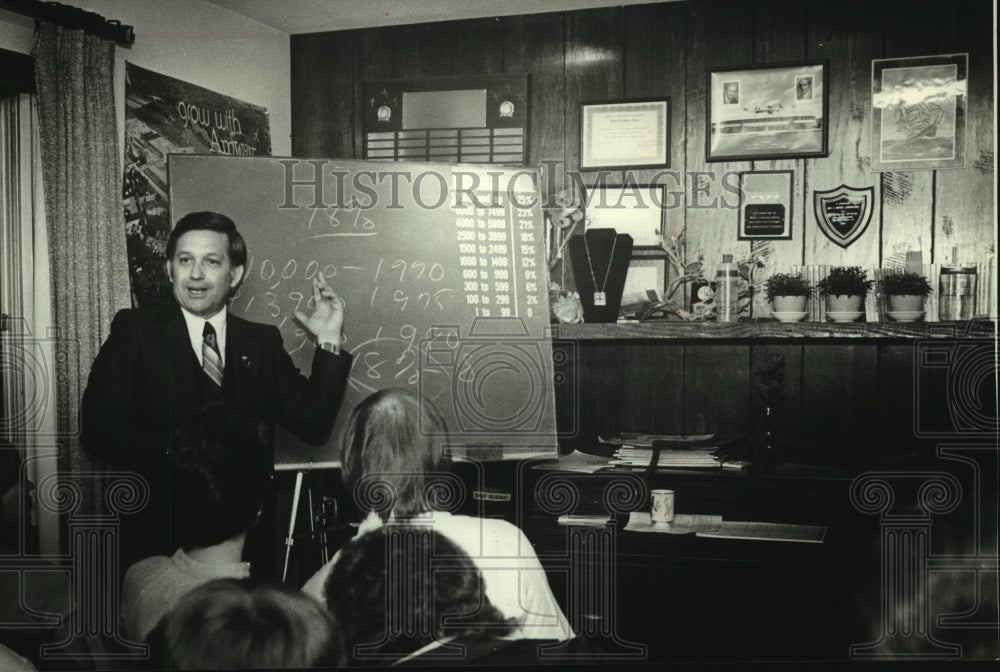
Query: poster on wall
918, 105
166, 116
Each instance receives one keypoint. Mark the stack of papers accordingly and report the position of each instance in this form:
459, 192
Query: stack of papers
670, 458
577, 462
636, 439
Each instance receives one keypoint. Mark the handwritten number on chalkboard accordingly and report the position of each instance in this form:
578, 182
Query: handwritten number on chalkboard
399, 297
297, 298
401, 265
409, 333
372, 371
272, 303
414, 377
438, 294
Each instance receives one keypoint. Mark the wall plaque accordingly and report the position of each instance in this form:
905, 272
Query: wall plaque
844, 213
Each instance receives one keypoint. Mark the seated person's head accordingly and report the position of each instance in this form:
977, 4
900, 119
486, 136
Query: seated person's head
220, 473
230, 624
401, 587
395, 436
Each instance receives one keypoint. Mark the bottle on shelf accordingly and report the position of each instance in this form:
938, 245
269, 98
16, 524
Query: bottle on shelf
727, 277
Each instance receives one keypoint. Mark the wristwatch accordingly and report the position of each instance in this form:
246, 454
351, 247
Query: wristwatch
329, 347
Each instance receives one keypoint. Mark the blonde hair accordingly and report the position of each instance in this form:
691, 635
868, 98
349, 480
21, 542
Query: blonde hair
395, 440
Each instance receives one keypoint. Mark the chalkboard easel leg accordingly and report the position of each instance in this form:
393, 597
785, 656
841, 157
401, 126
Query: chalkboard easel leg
289, 540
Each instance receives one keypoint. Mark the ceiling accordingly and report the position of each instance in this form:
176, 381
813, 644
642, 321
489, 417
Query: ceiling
315, 16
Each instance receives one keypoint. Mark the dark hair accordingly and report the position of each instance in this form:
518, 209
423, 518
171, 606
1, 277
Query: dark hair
230, 624
210, 221
402, 586
220, 472
397, 437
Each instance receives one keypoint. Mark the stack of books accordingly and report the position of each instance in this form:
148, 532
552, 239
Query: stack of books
635, 451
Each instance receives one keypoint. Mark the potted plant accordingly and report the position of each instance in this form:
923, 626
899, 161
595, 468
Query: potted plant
906, 291
845, 288
787, 292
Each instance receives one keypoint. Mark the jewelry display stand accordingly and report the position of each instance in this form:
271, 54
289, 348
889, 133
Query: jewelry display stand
600, 260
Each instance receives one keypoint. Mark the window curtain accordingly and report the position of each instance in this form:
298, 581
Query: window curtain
29, 418
81, 170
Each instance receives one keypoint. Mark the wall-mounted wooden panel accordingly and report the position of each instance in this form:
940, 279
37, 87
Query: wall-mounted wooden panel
848, 34
964, 205
718, 33
779, 38
593, 70
323, 116
908, 196
665, 49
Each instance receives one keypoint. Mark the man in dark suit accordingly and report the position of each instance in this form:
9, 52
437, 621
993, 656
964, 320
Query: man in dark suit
158, 366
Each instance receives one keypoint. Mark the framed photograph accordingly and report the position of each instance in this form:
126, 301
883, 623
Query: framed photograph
918, 112
767, 112
640, 211
647, 272
765, 211
625, 134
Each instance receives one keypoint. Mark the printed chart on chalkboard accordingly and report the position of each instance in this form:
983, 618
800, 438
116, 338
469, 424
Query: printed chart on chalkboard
442, 268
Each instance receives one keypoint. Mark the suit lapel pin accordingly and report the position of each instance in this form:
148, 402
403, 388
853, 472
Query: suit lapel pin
246, 362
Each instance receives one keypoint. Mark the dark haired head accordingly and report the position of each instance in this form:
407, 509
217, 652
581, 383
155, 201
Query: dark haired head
229, 624
403, 586
397, 437
220, 472
210, 221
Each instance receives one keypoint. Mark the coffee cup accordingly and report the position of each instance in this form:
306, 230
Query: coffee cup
663, 507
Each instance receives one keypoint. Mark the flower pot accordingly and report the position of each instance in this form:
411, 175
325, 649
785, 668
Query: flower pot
842, 303
789, 304
906, 302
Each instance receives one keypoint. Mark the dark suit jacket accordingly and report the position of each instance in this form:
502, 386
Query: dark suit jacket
146, 382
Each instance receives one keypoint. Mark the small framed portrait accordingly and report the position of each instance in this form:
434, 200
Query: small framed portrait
804, 87
730, 93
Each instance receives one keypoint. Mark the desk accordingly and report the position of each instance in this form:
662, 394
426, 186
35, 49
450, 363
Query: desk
691, 598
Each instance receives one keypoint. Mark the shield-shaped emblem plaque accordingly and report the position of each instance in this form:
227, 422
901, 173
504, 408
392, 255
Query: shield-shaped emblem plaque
844, 213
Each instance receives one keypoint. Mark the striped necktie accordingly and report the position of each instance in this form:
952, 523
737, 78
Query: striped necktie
211, 360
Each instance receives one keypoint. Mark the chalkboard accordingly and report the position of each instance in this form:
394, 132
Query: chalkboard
442, 268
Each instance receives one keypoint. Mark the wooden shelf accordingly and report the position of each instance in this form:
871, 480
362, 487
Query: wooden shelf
769, 330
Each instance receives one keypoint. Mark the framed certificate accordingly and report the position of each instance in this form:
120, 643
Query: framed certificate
765, 211
625, 134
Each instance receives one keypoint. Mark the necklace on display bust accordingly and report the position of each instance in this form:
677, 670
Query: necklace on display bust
600, 296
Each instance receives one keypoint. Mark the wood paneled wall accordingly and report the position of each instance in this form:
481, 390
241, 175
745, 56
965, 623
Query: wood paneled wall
665, 50
855, 399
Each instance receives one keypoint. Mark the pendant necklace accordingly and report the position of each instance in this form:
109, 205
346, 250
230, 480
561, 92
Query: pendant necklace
600, 296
